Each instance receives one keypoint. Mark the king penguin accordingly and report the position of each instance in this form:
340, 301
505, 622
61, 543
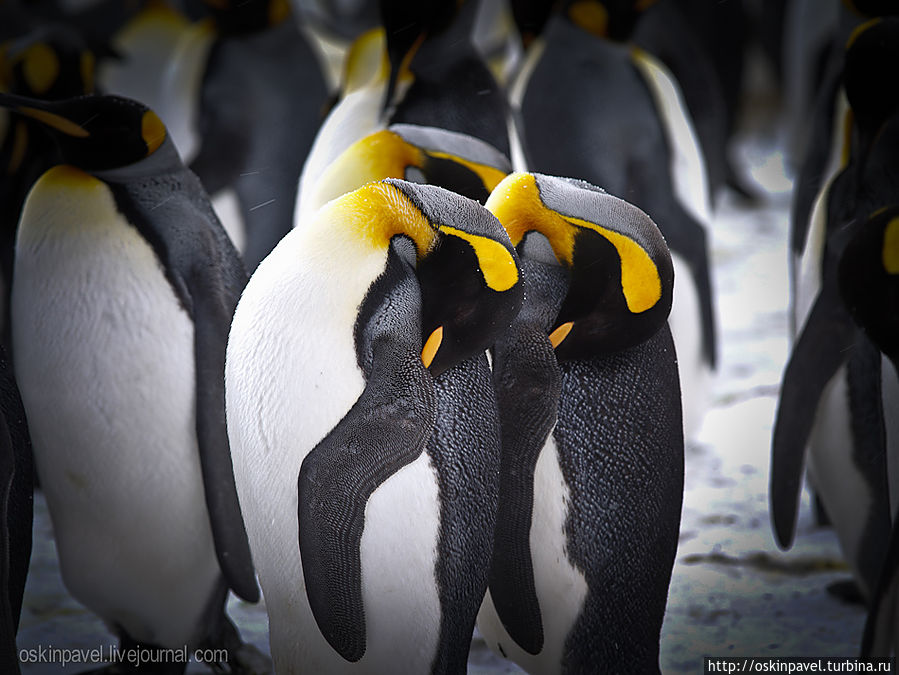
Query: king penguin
835, 414
458, 162
591, 483
420, 68
868, 274
123, 293
364, 427
593, 108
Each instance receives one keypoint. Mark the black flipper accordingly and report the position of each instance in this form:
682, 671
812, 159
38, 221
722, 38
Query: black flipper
823, 346
213, 310
207, 275
527, 381
386, 429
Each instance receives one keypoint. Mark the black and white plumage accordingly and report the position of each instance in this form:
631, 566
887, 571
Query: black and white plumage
591, 482
367, 465
124, 287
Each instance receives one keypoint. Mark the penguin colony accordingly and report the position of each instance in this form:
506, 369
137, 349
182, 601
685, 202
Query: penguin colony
419, 355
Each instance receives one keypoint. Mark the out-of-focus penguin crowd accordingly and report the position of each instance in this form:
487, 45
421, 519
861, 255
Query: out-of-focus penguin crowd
485, 336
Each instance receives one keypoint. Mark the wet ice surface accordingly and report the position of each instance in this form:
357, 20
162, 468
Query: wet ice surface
733, 592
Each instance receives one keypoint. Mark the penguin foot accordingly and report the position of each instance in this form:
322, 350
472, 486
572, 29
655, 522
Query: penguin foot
846, 590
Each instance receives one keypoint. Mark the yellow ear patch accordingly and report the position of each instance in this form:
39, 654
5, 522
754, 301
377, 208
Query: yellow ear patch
590, 15
429, 351
516, 204
496, 263
278, 10
40, 66
861, 28
891, 247
518, 207
640, 281
58, 122
152, 130
377, 212
379, 155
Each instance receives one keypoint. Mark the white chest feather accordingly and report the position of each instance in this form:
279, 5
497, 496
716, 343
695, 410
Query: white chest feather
561, 587
291, 376
832, 470
104, 356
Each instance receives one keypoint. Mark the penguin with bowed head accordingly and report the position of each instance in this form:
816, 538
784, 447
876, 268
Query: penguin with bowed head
591, 483
124, 288
367, 468
458, 162
594, 108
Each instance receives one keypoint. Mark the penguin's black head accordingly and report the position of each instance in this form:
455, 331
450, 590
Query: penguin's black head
242, 17
872, 51
52, 62
469, 279
620, 273
466, 268
871, 8
612, 19
407, 23
869, 279
95, 133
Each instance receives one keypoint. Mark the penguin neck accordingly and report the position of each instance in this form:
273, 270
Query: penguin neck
164, 160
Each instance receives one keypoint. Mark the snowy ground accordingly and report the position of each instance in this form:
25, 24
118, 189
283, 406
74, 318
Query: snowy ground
733, 593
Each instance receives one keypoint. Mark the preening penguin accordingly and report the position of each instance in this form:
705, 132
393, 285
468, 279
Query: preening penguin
367, 465
123, 293
835, 412
591, 483
458, 162
610, 114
